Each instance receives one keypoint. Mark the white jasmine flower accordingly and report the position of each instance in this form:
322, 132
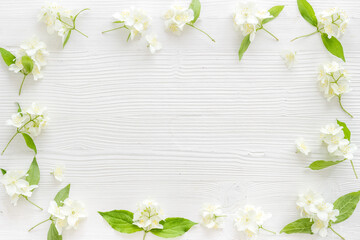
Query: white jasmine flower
58, 173
177, 17
57, 18
346, 151
153, 43
17, 120
148, 215
289, 58
306, 203
333, 136
302, 147
250, 219
212, 216
333, 22
36, 50
16, 185
320, 227
135, 20
56, 211
324, 211
248, 17
74, 211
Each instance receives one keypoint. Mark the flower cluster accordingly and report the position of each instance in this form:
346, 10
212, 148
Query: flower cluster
32, 121
312, 205
333, 81
148, 215
137, 22
212, 216
333, 136
333, 22
59, 19
67, 215
250, 219
17, 186
177, 17
28, 123
248, 18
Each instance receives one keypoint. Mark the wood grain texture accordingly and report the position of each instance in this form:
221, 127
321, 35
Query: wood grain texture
186, 126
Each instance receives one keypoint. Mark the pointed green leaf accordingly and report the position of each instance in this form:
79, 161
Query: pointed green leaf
121, 221
33, 175
346, 206
8, 57
307, 12
302, 225
195, 5
62, 195
67, 38
118, 21
173, 227
3, 171
347, 133
333, 46
274, 11
244, 46
29, 142
53, 234
28, 64
19, 108
321, 164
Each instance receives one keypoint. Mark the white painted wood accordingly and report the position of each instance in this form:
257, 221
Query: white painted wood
186, 126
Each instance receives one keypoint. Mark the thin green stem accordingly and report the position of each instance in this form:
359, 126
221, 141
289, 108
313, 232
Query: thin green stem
113, 29
145, 235
353, 167
307, 35
270, 33
22, 83
192, 25
7, 145
267, 230
49, 219
81, 32
337, 233
27, 199
342, 107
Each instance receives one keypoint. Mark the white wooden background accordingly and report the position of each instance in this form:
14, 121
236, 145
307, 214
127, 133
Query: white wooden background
186, 126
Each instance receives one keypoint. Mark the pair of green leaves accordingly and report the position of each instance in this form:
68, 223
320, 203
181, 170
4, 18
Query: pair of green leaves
60, 197
10, 59
122, 221
274, 11
331, 44
345, 204
321, 164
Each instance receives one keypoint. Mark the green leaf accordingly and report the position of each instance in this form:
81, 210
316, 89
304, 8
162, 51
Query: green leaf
345, 129
3, 171
62, 195
53, 234
28, 64
302, 225
307, 12
321, 164
195, 5
67, 38
33, 175
244, 46
8, 57
173, 227
333, 46
346, 206
274, 11
121, 221
29, 142
19, 108
118, 21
